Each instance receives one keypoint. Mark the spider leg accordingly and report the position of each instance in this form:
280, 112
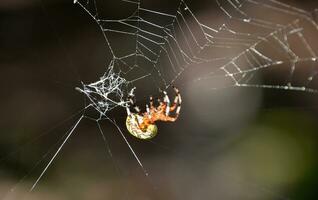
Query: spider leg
166, 101
128, 111
160, 109
178, 101
151, 102
148, 111
152, 107
175, 103
131, 102
136, 108
159, 102
170, 119
128, 106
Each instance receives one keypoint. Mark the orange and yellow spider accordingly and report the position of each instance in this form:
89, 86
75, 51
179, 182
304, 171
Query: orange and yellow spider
142, 125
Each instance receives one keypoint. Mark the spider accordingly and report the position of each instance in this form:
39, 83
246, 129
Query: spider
142, 125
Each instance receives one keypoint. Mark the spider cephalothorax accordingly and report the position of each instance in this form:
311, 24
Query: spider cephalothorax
142, 124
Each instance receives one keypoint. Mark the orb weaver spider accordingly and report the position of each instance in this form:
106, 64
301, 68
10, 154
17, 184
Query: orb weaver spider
142, 125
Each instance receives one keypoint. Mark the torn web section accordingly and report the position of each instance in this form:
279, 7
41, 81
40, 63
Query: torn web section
280, 48
107, 93
111, 89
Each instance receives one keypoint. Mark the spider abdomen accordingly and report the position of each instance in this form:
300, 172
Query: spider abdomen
133, 122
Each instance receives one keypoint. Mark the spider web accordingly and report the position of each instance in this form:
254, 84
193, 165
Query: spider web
165, 45
246, 49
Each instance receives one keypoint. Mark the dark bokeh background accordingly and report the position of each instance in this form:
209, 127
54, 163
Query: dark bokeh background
228, 143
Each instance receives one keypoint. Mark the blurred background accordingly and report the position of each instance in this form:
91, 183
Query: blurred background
229, 143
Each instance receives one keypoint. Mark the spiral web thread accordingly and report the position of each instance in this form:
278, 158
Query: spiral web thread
168, 44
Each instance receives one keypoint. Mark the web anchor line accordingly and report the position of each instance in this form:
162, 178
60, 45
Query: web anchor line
56, 153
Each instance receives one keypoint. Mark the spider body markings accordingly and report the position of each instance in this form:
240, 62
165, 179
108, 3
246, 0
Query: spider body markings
142, 124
